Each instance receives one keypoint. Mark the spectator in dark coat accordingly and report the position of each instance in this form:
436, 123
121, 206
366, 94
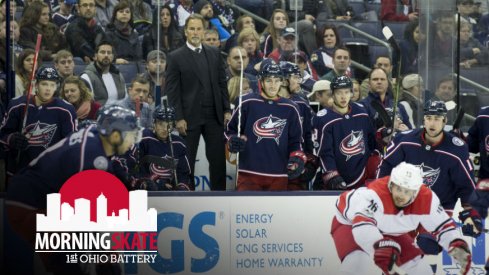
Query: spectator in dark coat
121, 33
83, 34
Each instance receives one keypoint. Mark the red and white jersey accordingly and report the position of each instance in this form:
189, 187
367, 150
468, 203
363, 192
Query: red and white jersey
372, 214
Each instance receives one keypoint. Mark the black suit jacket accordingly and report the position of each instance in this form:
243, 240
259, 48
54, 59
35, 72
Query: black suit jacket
184, 82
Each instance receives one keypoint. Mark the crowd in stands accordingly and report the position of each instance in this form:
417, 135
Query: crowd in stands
115, 52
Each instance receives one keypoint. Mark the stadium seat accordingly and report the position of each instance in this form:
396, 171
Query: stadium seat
358, 7
129, 71
376, 50
79, 68
373, 28
372, 6
397, 28
322, 20
78, 60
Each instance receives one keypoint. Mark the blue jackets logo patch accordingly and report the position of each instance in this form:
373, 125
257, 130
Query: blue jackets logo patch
40, 134
269, 127
353, 144
430, 175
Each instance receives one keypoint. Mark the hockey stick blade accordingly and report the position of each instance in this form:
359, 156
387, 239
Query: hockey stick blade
397, 270
384, 116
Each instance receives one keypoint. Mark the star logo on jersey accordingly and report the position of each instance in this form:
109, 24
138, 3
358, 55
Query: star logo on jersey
353, 144
269, 127
40, 134
430, 175
160, 171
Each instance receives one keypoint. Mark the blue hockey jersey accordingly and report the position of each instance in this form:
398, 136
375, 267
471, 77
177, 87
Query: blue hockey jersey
48, 172
447, 169
46, 125
388, 103
151, 145
306, 114
345, 142
273, 130
478, 140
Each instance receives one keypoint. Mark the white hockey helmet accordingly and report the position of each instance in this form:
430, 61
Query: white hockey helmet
407, 175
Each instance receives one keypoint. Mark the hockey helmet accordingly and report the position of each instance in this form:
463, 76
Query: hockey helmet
436, 108
115, 118
164, 113
47, 73
341, 82
407, 175
289, 68
270, 70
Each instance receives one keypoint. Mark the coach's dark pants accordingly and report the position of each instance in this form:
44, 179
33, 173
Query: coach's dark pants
213, 134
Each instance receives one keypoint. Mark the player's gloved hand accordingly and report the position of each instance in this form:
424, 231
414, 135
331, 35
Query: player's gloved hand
163, 184
145, 184
472, 223
295, 166
310, 168
480, 197
459, 250
428, 243
182, 187
387, 253
17, 141
236, 144
333, 181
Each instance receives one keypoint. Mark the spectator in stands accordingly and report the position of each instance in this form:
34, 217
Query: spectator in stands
233, 89
322, 91
441, 50
64, 15
379, 92
384, 62
327, 39
308, 73
269, 38
356, 91
409, 48
23, 70
341, 62
155, 70
465, 9
286, 45
77, 93
234, 66
121, 34
83, 34
204, 8
445, 89
211, 38
248, 39
14, 36
3, 10
411, 97
338, 9
170, 37
106, 82
306, 17
244, 21
63, 62
142, 16
481, 29
36, 21
184, 10
138, 93
227, 14
472, 52
262, 8
104, 11
398, 10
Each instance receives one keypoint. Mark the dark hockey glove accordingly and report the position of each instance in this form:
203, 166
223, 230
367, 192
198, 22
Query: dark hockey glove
17, 141
479, 200
236, 144
459, 250
145, 184
472, 223
310, 168
295, 166
387, 253
428, 243
333, 181
164, 184
383, 136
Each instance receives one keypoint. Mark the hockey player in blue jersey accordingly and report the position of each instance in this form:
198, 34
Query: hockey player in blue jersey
346, 139
116, 131
478, 140
49, 120
269, 141
443, 157
162, 166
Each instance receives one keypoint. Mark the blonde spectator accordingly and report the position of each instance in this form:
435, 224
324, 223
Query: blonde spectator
77, 93
249, 39
356, 91
233, 88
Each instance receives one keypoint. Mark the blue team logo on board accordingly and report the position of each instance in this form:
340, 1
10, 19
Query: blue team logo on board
40, 134
353, 144
430, 175
269, 127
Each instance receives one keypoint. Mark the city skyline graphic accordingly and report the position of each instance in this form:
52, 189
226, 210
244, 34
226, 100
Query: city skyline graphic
64, 217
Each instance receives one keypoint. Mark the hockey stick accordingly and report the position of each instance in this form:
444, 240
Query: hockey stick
170, 139
396, 270
29, 90
384, 116
240, 99
389, 36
